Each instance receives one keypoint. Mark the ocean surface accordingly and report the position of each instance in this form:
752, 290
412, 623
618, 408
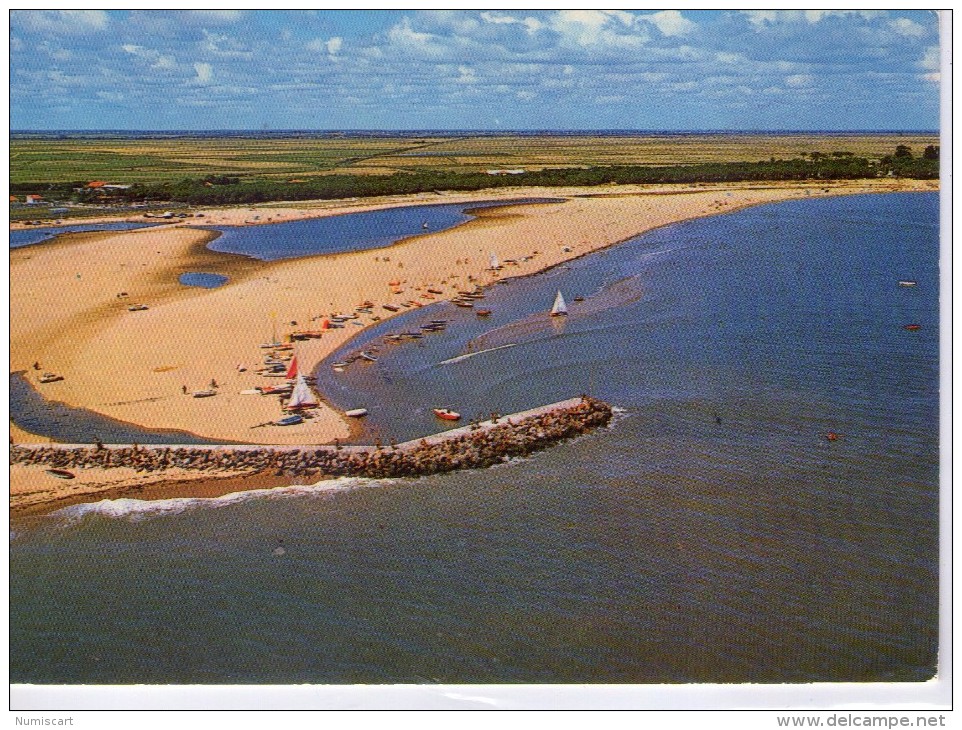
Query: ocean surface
713, 533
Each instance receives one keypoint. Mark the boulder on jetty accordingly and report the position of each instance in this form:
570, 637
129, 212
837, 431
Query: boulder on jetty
466, 448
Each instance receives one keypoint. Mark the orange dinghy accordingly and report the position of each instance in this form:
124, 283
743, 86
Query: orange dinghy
446, 414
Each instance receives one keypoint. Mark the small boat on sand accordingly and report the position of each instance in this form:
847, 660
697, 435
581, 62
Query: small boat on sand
280, 390
137, 307
390, 307
50, 378
290, 420
446, 414
356, 412
60, 473
204, 393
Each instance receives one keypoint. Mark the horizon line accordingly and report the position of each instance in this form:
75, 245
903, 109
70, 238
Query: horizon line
422, 130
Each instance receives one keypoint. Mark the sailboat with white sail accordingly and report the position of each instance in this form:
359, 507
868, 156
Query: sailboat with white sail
301, 396
559, 308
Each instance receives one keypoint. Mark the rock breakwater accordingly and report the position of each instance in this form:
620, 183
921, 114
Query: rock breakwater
472, 447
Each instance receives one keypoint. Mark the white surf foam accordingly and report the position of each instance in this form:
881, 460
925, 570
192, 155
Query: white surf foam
138, 510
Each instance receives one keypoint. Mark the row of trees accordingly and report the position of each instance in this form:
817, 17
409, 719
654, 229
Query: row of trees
223, 190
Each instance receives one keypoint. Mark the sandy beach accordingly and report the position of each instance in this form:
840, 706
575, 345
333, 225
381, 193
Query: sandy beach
70, 299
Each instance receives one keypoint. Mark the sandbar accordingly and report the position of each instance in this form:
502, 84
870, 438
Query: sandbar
70, 298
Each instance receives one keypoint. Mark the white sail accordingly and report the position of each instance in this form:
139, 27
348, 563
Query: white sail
559, 307
494, 261
301, 397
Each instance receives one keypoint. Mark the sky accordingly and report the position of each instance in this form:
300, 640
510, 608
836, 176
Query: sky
474, 70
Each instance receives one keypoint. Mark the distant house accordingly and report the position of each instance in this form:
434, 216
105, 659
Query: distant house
34, 199
505, 172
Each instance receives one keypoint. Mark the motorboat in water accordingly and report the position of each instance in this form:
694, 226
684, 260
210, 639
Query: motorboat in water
446, 414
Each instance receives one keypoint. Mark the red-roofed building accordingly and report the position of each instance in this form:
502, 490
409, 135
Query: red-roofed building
96, 184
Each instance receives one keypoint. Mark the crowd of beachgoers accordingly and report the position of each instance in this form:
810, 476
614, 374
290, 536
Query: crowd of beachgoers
469, 448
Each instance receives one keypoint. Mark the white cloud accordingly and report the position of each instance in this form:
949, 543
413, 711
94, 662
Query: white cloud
154, 58
531, 24
61, 21
671, 22
799, 81
608, 30
724, 57
932, 60
467, 75
205, 73
330, 46
762, 18
212, 17
906, 27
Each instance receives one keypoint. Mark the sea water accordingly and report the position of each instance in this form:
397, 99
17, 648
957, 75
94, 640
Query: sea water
712, 533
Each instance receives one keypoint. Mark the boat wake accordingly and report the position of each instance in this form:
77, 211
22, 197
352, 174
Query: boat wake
140, 510
537, 326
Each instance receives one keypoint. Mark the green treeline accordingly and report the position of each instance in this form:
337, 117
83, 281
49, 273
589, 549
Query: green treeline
224, 190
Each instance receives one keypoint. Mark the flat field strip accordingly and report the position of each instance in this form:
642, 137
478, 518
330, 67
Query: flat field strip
124, 161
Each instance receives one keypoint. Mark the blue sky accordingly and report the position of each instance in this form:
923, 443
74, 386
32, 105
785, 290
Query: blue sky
504, 69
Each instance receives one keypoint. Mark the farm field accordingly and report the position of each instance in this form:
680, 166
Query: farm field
120, 160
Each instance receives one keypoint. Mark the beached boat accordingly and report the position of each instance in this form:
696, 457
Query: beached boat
356, 412
463, 303
60, 473
390, 307
368, 356
204, 393
50, 378
292, 420
446, 414
559, 308
301, 395
137, 307
278, 390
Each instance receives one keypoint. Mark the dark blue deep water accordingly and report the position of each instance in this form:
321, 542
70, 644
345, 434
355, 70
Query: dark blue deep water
712, 533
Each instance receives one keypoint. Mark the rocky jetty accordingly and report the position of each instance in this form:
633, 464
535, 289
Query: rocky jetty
471, 447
